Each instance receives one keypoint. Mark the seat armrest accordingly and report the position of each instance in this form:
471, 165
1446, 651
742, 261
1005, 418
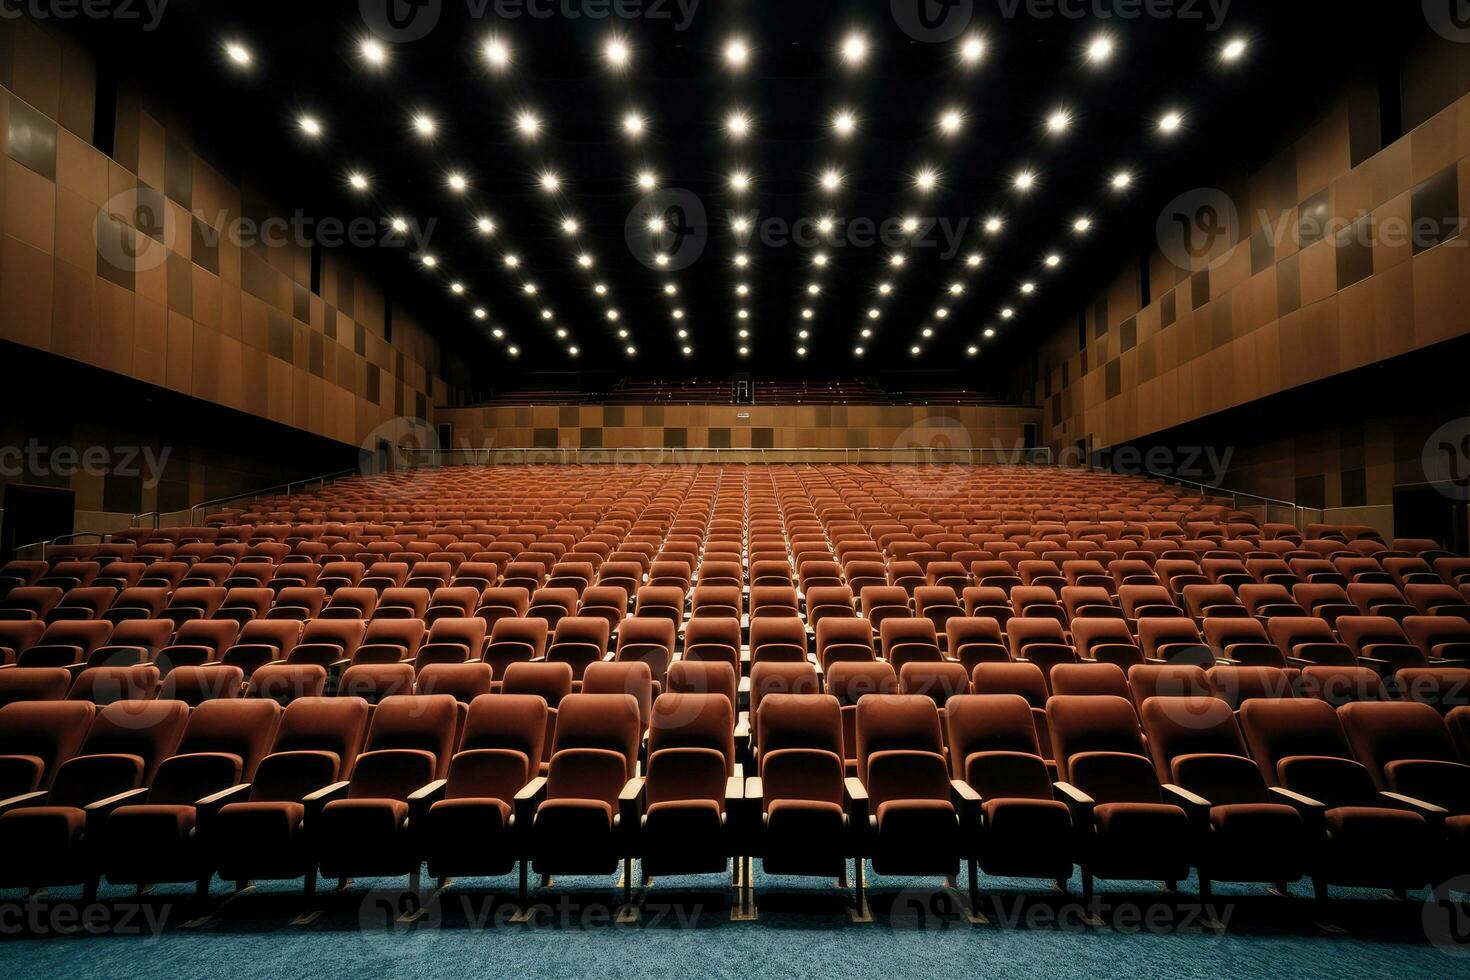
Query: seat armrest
857, 799
754, 789
317, 800
37, 798
966, 802
1313, 812
1078, 802
1432, 814
98, 811
1196, 806
424, 797
207, 808
630, 803
527, 800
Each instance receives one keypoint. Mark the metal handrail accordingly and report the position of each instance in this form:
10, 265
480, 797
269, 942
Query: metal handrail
133, 521
1234, 495
103, 536
324, 479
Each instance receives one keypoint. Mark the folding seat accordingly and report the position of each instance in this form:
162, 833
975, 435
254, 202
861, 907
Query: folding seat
1339, 685
1148, 602
937, 680
1172, 641
879, 603
579, 641
1364, 839
1116, 798
818, 574
770, 573
32, 684
1039, 641
1380, 599
1317, 571
1271, 571
1379, 642
830, 600
1243, 831
402, 602
728, 573
298, 572
326, 642
861, 574
907, 640
1023, 831
689, 796
1440, 638
1106, 641
249, 575
782, 677
550, 682
262, 641
1025, 680
1454, 571
511, 641
1089, 679
195, 685
716, 600
777, 639
385, 641
980, 600
971, 640
709, 638
477, 575
242, 605
647, 640
17, 636
1409, 751
938, 604
1307, 641
105, 685
363, 826
627, 575
382, 575
83, 602
1442, 688
953, 574
285, 683
576, 813
45, 831
456, 602
1167, 680
804, 828
465, 823
773, 600
1089, 602
1242, 641
1218, 601
148, 835
66, 643
1229, 572
1235, 684
463, 682
120, 574
1325, 601
36, 739
429, 575
374, 682
630, 677
906, 575
666, 602
704, 677
1269, 601
20, 574
503, 602
198, 641
139, 602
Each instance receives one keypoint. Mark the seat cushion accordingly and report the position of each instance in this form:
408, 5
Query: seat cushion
1024, 838
258, 840
574, 836
42, 846
1141, 841
468, 836
685, 837
804, 837
365, 837
919, 837
1256, 842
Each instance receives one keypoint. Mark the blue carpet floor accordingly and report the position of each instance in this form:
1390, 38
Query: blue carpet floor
685, 929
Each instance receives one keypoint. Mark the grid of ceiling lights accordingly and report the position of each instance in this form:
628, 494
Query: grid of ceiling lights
737, 54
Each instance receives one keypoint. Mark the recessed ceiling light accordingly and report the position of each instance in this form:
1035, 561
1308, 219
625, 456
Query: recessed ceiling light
844, 122
373, 52
630, 350
550, 182
529, 289
813, 289
737, 52
617, 52
807, 314
956, 289
874, 313
951, 121
682, 334
744, 351
854, 49
1082, 225
511, 261
974, 259
573, 350
670, 289
743, 314
513, 350
803, 334
740, 225
398, 225
1053, 260
457, 182
622, 334
661, 259
865, 333
1058, 121
687, 351
993, 225
238, 53
633, 124
825, 225
1028, 287
1233, 50
741, 260
496, 52
990, 331
547, 314
1121, 180
677, 314
801, 352
743, 334
831, 179
424, 124
486, 226
972, 49
926, 179
896, 260
742, 290
739, 181
1007, 313
819, 260
656, 224
647, 180
457, 288
584, 260
612, 315
310, 126
600, 289
1170, 122
857, 351
940, 314
429, 260
569, 226
481, 313
528, 123
927, 332
910, 225
358, 181
1024, 181
1100, 49
915, 350
972, 350
884, 288
737, 124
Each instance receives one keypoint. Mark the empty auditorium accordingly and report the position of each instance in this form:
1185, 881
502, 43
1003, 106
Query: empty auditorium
857, 488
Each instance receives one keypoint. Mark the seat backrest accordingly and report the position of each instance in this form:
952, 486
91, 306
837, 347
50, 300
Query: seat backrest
1095, 678
244, 729
984, 724
314, 724
1385, 732
196, 684
1189, 726
463, 682
149, 730
600, 721
1091, 723
50, 733
697, 721
425, 722
549, 681
507, 721
1276, 728
898, 740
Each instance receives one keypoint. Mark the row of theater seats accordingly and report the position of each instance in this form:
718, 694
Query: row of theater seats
1368, 794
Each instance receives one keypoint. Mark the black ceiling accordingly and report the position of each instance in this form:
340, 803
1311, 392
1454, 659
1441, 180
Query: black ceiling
306, 59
